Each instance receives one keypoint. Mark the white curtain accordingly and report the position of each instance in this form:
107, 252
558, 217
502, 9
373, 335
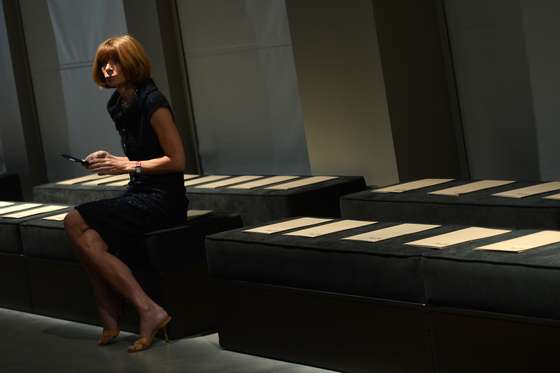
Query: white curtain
79, 26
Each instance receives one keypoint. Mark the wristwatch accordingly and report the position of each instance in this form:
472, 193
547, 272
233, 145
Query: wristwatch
138, 169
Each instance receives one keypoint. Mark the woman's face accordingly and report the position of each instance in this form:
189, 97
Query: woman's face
112, 73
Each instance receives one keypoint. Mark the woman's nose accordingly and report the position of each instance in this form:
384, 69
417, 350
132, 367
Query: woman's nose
108, 69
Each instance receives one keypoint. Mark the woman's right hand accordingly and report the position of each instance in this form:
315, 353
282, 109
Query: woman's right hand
97, 154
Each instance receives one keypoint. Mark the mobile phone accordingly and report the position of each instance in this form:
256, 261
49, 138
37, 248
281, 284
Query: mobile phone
77, 160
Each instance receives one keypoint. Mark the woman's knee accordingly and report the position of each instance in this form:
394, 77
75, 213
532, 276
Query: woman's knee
74, 223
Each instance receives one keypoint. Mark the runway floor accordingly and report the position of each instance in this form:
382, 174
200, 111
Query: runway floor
32, 343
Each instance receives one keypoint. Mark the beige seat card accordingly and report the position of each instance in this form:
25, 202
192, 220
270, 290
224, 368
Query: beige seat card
238, 179
471, 187
205, 179
301, 182
59, 217
287, 225
23, 206
109, 179
413, 185
330, 228
391, 232
5, 203
456, 237
190, 176
193, 214
524, 243
119, 183
35, 211
530, 191
555, 197
263, 182
82, 179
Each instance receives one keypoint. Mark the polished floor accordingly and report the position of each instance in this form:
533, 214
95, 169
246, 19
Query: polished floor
31, 343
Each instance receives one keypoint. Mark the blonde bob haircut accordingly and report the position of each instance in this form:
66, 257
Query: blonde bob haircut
126, 51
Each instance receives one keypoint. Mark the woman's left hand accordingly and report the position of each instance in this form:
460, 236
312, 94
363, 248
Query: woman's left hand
110, 165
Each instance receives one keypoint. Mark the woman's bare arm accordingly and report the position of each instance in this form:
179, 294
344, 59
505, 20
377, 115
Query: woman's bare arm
170, 140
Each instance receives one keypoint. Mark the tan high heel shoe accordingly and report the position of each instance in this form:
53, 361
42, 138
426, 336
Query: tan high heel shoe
144, 343
108, 336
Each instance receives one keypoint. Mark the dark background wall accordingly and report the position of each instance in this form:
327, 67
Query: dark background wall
420, 89
490, 57
392, 90
343, 96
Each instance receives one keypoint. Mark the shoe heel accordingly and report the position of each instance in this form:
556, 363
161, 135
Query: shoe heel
165, 334
163, 328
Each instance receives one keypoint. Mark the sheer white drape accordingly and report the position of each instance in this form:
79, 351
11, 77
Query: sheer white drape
79, 26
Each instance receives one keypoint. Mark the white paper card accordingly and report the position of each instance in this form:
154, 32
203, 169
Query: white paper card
555, 197
190, 176
109, 179
456, 237
205, 179
524, 243
287, 225
4, 203
35, 211
234, 180
82, 179
471, 187
530, 191
330, 228
412, 185
301, 182
119, 183
23, 206
59, 217
191, 214
391, 232
263, 182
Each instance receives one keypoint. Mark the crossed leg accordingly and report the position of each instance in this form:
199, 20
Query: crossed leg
110, 277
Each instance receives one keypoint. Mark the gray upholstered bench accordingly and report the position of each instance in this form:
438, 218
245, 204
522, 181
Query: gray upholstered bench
479, 207
494, 311
345, 305
14, 292
256, 198
172, 268
397, 304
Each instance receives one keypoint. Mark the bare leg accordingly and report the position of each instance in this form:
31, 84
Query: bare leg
109, 303
93, 251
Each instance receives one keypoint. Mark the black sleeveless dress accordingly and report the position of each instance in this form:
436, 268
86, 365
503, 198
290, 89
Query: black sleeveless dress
150, 202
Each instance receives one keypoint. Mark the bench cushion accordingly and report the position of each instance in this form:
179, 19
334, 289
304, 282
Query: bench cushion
386, 269
477, 208
169, 248
523, 283
10, 236
254, 205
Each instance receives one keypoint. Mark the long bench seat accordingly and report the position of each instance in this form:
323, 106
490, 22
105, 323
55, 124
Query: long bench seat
14, 293
361, 306
481, 208
265, 198
494, 311
47, 279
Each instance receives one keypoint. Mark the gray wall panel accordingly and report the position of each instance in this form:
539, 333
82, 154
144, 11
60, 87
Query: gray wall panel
244, 86
11, 133
494, 88
342, 90
79, 26
542, 38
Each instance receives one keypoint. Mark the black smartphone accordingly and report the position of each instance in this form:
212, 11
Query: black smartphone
77, 160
